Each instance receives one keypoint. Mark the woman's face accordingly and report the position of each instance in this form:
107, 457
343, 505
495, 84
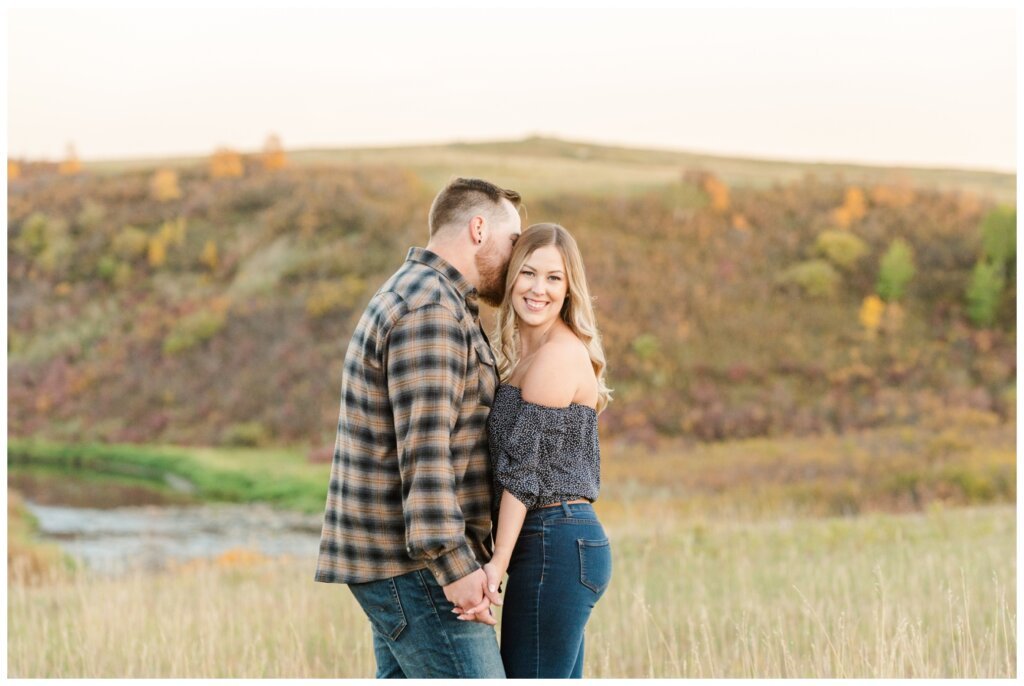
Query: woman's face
540, 287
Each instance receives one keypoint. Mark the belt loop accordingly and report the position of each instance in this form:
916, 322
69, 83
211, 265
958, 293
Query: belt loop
565, 508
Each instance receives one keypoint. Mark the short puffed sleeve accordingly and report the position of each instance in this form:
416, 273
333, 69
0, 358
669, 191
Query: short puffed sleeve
524, 456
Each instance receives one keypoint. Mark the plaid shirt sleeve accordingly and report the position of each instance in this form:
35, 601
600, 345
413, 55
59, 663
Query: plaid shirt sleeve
426, 361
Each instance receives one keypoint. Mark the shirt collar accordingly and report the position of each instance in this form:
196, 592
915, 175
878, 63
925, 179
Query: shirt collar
433, 260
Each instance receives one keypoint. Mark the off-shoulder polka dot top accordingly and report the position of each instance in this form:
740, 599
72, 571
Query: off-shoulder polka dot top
540, 454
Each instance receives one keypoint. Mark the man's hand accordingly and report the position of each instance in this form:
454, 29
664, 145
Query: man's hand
471, 592
479, 612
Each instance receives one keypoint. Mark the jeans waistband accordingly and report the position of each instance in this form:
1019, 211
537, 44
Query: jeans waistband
564, 510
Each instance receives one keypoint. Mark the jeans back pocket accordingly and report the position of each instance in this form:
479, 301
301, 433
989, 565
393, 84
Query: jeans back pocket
595, 564
379, 600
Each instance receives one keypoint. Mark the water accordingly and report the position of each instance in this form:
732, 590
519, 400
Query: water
116, 540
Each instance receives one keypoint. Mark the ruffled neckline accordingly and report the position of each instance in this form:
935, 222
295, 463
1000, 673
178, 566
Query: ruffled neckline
519, 393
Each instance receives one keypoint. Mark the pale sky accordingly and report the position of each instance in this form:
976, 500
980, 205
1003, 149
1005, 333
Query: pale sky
929, 87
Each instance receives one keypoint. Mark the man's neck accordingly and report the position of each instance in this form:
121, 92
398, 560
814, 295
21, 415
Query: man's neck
458, 259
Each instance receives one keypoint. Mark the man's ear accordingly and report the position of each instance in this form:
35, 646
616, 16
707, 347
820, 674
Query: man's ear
476, 230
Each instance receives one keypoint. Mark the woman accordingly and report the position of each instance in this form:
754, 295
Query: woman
546, 458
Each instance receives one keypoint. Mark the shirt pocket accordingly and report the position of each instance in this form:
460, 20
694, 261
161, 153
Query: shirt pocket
487, 372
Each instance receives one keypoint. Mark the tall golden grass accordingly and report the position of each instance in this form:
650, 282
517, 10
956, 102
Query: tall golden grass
918, 595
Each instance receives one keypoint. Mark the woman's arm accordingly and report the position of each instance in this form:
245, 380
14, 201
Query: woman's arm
511, 514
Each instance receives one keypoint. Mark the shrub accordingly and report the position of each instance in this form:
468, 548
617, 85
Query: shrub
841, 248
131, 243
193, 330
331, 296
896, 271
646, 346
91, 215
816, 278
46, 242
106, 268
246, 435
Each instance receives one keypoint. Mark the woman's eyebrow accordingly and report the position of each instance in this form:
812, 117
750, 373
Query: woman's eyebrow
528, 266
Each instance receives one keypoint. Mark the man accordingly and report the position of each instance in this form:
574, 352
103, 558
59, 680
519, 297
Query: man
408, 519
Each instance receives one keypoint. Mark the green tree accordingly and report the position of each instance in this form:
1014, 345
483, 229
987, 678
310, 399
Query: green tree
896, 270
983, 293
999, 236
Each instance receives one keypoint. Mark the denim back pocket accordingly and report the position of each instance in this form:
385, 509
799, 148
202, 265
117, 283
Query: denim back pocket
595, 564
379, 600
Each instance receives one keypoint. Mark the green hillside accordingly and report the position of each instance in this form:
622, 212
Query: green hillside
731, 293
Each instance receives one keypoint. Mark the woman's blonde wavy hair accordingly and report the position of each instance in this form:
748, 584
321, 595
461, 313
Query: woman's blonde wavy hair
577, 310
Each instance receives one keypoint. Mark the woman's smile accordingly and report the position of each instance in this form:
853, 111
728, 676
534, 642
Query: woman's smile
535, 305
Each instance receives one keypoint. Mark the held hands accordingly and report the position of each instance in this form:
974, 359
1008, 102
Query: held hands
471, 591
493, 571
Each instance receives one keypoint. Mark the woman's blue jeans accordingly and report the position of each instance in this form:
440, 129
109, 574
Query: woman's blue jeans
559, 569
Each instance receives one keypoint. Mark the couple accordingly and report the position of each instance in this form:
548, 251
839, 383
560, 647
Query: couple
432, 449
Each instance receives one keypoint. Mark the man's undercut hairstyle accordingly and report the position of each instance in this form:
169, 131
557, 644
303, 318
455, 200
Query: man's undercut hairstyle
464, 198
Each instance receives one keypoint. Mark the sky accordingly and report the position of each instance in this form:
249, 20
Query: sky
923, 87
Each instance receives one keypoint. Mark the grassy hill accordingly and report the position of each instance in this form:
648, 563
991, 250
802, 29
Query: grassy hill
542, 167
191, 309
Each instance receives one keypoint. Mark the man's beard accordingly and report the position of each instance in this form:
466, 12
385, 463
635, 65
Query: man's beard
492, 276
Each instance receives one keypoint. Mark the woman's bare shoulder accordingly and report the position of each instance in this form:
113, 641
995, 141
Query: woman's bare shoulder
557, 373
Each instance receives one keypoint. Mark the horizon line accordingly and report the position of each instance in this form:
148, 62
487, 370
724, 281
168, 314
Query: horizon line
751, 157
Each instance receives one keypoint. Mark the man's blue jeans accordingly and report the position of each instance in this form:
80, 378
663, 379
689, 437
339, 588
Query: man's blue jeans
560, 567
416, 635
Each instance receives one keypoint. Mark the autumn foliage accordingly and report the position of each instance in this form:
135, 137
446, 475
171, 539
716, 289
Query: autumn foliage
273, 154
221, 316
226, 163
70, 165
164, 185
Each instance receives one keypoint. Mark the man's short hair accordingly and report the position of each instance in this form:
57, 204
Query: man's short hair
463, 198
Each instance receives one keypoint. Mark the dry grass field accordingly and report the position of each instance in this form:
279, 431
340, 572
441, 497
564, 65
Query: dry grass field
916, 595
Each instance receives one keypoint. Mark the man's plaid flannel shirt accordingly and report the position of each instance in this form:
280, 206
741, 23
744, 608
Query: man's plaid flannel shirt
410, 481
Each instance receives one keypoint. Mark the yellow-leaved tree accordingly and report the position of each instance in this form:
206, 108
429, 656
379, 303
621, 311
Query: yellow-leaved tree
156, 253
852, 210
164, 185
173, 232
718, 193
870, 314
209, 255
273, 153
70, 164
225, 163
